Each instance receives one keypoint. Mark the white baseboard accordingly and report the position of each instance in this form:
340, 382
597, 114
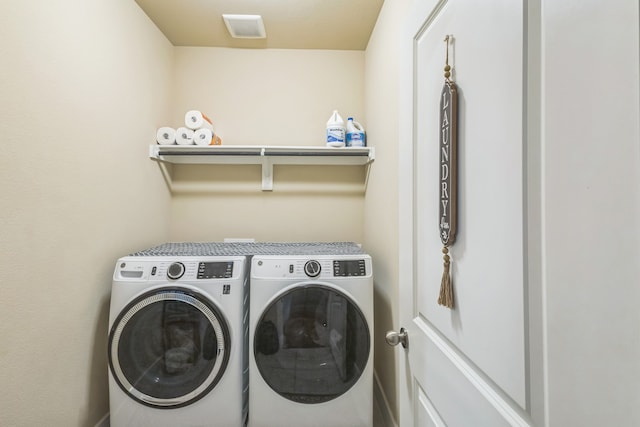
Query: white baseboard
104, 421
382, 402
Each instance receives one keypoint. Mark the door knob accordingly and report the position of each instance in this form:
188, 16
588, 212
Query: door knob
394, 338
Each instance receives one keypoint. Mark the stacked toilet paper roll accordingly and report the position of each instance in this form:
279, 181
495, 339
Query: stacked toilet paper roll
184, 136
197, 129
195, 120
203, 136
166, 136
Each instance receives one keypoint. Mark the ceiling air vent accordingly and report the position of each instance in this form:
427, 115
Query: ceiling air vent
245, 26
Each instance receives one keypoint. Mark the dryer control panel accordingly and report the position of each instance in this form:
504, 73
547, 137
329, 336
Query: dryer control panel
319, 267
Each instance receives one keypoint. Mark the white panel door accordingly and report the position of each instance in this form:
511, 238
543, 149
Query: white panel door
465, 366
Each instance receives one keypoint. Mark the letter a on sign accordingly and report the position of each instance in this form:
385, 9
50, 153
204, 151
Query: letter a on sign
448, 184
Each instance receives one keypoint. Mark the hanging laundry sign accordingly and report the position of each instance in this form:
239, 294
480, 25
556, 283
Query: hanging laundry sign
448, 182
448, 157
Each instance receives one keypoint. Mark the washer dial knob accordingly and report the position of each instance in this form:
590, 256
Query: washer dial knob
312, 268
175, 270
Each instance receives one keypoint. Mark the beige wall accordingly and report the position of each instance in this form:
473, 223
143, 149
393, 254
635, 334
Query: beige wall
268, 97
381, 201
82, 85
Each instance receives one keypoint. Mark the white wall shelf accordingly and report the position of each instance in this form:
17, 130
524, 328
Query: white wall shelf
267, 156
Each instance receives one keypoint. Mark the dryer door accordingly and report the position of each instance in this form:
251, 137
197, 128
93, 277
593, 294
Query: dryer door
311, 344
169, 347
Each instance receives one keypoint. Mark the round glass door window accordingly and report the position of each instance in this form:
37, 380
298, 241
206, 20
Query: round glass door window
169, 348
312, 344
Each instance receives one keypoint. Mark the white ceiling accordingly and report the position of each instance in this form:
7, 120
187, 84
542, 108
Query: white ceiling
290, 24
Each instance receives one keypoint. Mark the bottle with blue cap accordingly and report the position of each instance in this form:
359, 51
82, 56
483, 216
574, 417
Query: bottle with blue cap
355, 134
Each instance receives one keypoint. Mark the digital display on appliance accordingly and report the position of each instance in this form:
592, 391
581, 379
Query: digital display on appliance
215, 270
349, 268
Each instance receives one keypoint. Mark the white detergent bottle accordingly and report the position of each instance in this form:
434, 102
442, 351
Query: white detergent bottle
335, 130
355, 134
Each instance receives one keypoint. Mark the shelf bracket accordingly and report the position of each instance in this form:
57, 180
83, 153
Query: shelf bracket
267, 172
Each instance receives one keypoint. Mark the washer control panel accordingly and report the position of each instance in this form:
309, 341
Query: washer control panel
320, 267
175, 269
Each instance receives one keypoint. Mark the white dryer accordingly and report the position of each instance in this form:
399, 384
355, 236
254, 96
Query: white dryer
176, 341
311, 344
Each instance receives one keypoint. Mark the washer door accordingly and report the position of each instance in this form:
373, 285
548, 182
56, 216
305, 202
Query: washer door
169, 347
311, 344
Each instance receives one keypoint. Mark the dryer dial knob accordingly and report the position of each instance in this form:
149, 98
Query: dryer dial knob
312, 268
175, 270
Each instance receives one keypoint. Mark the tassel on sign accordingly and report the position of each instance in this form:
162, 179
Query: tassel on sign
446, 289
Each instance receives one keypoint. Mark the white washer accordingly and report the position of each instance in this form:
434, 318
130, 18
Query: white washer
310, 341
176, 341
